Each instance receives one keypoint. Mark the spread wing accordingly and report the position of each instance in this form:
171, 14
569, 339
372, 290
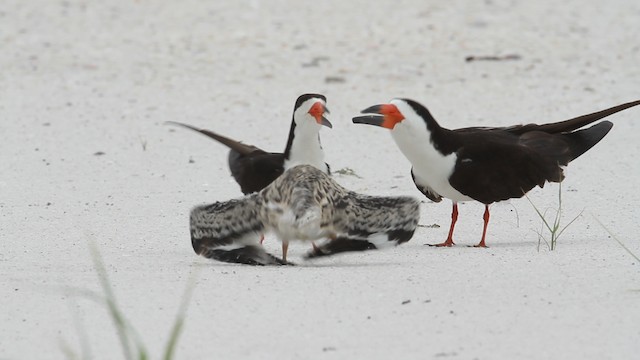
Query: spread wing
230, 231
366, 222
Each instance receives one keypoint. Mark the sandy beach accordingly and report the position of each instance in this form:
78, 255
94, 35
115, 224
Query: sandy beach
85, 90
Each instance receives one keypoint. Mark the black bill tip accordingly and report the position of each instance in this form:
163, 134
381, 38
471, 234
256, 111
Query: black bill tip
375, 109
376, 120
325, 122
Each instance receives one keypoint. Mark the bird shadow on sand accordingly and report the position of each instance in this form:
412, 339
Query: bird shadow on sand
500, 245
298, 264
311, 264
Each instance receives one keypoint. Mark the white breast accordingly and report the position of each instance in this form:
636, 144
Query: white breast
306, 148
430, 167
284, 223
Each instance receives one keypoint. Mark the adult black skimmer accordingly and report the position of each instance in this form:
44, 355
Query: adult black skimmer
303, 204
254, 169
483, 163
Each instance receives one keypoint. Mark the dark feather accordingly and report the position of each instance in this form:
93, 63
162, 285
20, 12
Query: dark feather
383, 221
248, 255
303, 204
251, 167
230, 231
255, 172
339, 245
571, 124
495, 165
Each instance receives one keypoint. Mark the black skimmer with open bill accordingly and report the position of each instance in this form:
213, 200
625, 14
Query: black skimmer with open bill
485, 164
303, 204
254, 169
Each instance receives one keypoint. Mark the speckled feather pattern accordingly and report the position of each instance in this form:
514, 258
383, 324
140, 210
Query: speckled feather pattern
227, 220
303, 204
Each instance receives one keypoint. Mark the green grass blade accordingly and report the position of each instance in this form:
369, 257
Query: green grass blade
132, 346
557, 229
570, 222
67, 350
544, 220
176, 330
85, 348
617, 240
115, 313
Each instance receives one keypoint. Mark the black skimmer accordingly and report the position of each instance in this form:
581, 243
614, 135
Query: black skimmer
254, 169
484, 164
303, 204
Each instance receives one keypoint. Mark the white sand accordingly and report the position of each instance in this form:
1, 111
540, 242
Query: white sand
81, 77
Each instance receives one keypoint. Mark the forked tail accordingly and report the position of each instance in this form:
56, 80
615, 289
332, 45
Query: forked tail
582, 140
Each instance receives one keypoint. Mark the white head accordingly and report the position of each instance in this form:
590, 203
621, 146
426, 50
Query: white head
310, 110
409, 113
303, 146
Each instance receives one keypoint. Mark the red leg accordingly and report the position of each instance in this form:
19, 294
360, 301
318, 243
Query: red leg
454, 217
285, 247
484, 229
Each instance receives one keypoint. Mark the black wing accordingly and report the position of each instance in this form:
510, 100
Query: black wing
496, 165
237, 146
251, 167
564, 126
255, 171
571, 124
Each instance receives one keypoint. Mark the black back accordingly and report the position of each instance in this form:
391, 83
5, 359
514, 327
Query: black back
254, 172
500, 163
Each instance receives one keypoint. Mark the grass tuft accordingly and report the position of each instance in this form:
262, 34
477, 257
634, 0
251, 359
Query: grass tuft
346, 171
176, 330
553, 227
130, 341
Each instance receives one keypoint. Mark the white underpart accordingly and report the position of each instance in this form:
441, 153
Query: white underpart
380, 240
430, 167
287, 227
252, 238
306, 149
